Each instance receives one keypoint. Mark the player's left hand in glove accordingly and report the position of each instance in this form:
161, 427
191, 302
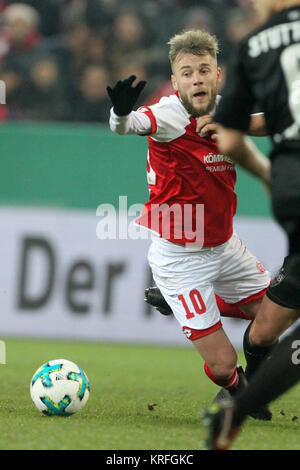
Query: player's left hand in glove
124, 96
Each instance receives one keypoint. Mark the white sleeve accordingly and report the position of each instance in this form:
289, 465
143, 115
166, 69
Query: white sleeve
133, 123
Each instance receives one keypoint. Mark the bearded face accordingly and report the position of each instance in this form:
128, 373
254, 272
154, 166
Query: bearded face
196, 78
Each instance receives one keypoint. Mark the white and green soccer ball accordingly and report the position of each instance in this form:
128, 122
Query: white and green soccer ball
59, 388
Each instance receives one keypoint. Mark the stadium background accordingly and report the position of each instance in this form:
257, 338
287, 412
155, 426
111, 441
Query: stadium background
59, 162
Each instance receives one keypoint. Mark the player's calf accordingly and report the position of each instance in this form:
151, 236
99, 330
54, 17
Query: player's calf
254, 353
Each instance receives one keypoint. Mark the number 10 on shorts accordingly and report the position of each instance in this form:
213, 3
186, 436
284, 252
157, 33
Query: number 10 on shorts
197, 302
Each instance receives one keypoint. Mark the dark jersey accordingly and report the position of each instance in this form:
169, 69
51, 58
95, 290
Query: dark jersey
265, 73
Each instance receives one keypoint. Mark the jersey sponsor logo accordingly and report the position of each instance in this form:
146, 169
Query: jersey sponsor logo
220, 168
211, 158
278, 36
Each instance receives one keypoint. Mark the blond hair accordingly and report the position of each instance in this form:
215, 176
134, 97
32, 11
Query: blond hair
193, 41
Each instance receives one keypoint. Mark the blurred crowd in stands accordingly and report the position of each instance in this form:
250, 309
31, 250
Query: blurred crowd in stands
58, 56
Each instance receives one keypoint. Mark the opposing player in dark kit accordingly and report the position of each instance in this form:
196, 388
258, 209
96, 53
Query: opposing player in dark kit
265, 71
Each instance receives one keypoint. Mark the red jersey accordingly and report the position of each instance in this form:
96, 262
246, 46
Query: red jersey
191, 185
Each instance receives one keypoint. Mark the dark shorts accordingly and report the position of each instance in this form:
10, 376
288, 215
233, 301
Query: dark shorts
286, 196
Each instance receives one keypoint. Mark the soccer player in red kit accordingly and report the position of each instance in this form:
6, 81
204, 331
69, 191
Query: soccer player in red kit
195, 253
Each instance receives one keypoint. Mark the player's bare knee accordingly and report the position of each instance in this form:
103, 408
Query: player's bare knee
223, 373
262, 337
224, 369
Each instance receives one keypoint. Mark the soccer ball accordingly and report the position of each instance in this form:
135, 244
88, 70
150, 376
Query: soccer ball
59, 388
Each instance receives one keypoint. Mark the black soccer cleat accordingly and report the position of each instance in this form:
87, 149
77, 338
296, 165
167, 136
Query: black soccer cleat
218, 419
154, 297
263, 414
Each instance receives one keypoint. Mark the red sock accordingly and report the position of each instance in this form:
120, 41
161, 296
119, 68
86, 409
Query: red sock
230, 310
226, 383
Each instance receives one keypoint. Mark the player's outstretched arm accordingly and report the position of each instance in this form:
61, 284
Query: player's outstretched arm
206, 126
258, 125
242, 150
124, 96
123, 120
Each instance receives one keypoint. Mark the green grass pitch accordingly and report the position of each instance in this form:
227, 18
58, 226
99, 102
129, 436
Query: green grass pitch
142, 398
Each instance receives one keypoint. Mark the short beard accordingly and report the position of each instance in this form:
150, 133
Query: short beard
199, 112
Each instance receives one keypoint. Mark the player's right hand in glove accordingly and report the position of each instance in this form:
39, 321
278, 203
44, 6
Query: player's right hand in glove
124, 96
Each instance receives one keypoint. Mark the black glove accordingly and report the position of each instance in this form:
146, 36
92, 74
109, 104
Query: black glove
124, 96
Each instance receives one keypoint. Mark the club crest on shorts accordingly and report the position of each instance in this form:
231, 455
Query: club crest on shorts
187, 332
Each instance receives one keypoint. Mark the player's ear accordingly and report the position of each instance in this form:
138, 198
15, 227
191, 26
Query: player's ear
219, 77
174, 82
